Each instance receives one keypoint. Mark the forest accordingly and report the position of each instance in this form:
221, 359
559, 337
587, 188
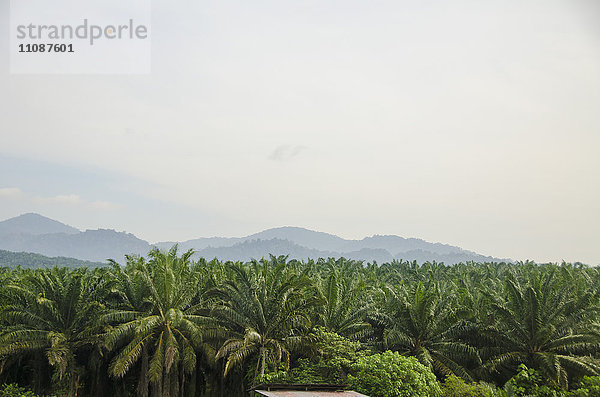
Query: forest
30, 260
169, 325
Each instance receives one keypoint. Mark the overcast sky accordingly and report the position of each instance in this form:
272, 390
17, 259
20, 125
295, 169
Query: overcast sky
474, 123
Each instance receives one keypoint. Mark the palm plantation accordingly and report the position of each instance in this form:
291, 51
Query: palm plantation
170, 325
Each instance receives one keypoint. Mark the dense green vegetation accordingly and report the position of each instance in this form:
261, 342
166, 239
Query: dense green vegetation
171, 326
30, 260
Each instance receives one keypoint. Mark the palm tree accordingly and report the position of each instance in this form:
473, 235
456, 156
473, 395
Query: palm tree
542, 323
266, 308
158, 321
420, 322
345, 304
52, 312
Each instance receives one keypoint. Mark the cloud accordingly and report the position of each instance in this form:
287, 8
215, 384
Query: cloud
104, 205
286, 152
61, 199
11, 192
76, 200
69, 199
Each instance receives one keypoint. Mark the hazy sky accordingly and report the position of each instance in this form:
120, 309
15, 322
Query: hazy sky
474, 123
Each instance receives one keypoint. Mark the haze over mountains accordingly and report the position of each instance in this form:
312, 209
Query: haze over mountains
41, 235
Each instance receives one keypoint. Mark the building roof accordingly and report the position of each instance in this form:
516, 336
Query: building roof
305, 390
309, 393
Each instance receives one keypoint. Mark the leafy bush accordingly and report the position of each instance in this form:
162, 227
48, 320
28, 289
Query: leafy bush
336, 359
331, 359
456, 387
588, 386
390, 374
528, 382
13, 390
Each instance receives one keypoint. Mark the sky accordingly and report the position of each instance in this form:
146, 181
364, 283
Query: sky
470, 123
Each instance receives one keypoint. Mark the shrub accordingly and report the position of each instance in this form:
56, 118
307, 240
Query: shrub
330, 362
528, 382
588, 386
456, 387
13, 390
390, 374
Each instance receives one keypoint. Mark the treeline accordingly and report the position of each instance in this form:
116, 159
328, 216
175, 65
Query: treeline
30, 260
171, 326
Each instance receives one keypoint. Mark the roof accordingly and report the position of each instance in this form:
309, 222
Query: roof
305, 390
312, 393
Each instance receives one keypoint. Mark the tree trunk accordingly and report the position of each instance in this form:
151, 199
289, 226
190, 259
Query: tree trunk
76, 386
221, 379
174, 389
142, 388
191, 389
181, 381
166, 383
256, 370
39, 369
263, 354
156, 386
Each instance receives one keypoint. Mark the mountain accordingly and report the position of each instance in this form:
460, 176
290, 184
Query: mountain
301, 236
397, 245
91, 245
256, 249
298, 235
34, 261
201, 243
41, 235
34, 224
304, 243
37, 234
451, 258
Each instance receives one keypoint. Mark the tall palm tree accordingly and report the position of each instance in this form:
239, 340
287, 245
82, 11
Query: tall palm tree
52, 312
345, 303
420, 322
157, 321
546, 326
265, 307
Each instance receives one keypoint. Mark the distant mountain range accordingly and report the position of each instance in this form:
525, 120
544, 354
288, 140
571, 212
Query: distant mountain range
38, 234
41, 235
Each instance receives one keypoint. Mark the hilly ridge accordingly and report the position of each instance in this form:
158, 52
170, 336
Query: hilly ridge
29, 260
34, 224
37, 234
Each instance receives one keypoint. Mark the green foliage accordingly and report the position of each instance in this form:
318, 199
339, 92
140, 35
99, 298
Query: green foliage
418, 321
390, 374
156, 320
331, 358
456, 387
529, 382
544, 323
52, 313
28, 260
265, 307
12, 390
344, 308
330, 345
166, 325
588, 386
